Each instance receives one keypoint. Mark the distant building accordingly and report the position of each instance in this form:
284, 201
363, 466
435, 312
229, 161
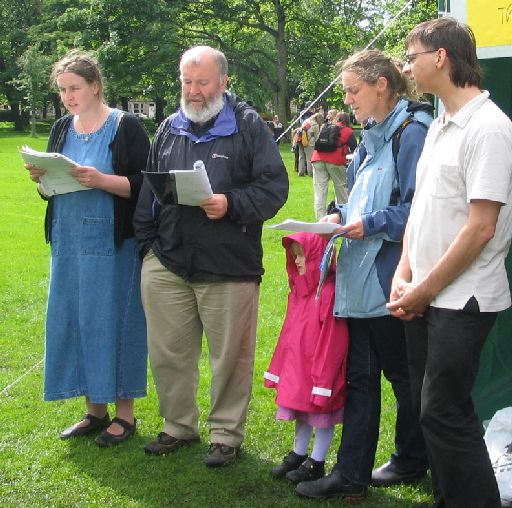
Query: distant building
141, 108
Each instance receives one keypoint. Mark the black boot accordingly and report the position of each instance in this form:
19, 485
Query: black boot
309, 470
290, 462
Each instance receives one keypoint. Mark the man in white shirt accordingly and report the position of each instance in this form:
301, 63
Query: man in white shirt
451, 280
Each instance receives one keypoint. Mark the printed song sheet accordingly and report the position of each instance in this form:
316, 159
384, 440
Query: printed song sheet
324, 228
182, 186
58, 178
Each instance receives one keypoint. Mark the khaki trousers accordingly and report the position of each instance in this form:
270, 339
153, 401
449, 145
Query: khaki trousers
322, 172
177, 313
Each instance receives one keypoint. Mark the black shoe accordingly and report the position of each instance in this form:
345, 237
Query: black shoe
106, 439
291, 462
164, 444
390, 474
309, 470
333, 485
95, 425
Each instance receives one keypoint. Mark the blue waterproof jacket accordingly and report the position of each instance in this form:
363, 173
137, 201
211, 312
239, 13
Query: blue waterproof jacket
380, 194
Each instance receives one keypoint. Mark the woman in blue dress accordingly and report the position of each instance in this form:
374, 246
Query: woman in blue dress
95, 326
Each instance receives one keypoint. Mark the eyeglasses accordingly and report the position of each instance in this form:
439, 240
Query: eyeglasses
409, 59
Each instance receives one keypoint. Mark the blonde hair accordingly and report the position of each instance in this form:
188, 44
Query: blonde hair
82, 64
332, 114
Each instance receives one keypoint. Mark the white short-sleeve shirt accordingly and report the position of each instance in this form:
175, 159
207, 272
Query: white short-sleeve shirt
466, 157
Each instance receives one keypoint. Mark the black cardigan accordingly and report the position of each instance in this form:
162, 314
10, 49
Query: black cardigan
130, 149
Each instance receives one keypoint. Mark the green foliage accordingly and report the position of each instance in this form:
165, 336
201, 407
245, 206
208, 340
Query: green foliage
279, 50
32, 81
39, 470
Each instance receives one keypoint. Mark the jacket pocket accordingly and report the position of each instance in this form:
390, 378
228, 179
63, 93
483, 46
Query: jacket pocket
97, 236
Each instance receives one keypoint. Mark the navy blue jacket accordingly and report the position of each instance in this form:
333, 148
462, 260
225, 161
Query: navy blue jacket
245, 166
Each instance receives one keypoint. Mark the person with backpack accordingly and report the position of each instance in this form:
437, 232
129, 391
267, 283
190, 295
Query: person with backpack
372, 224
305, 167
312, 129
329, 161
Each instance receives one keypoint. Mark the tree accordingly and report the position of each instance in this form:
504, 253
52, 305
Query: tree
279, 50
16, 18
32, 82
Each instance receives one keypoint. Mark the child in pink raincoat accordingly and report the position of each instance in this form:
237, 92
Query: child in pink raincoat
308, 368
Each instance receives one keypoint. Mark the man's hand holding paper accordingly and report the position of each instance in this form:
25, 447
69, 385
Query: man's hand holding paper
215, 207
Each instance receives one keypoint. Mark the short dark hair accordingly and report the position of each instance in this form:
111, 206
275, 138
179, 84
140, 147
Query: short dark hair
343, 118
459, 42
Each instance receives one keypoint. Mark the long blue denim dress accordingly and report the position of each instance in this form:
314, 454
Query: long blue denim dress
95, 325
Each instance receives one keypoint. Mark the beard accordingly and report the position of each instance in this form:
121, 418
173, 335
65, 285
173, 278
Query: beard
206, 112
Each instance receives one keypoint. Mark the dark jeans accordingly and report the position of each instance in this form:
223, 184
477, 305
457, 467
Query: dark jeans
444, 349
377, 345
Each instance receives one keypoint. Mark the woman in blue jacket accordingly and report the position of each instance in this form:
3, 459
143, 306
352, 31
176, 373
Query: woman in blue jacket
381, 181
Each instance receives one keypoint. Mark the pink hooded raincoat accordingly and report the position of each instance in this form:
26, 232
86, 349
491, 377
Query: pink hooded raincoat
308, 368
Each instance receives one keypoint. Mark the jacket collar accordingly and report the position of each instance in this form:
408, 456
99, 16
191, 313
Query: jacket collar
380, 133
224, 125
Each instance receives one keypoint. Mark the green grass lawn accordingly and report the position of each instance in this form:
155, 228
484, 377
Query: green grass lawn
37, 469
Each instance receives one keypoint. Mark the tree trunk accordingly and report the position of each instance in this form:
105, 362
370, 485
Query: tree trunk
159, 109
56, 106
282, 99
33, 130
19, 124
124, 103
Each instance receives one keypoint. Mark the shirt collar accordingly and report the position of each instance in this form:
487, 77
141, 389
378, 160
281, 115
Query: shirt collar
463, 116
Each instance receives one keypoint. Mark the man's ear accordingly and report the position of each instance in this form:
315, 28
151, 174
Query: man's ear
441, 58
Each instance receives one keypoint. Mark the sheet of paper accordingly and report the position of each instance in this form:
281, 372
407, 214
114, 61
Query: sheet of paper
192, 186
306, 227
58, 178
180, 186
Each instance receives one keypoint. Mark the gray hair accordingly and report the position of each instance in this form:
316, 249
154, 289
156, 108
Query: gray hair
194, 55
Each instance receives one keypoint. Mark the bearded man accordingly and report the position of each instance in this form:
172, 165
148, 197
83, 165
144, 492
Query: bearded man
202, 265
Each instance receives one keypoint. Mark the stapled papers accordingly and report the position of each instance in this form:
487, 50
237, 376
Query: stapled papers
58, 178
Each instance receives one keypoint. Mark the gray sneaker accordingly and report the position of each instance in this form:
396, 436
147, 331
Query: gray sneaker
165, 444
220, 455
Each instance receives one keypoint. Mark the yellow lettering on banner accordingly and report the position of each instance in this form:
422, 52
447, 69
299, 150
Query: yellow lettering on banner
491, 21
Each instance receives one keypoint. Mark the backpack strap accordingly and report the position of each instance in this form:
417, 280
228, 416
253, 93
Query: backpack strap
396, 137
395, 146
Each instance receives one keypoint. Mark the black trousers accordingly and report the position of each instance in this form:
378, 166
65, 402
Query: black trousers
444, 348
377, 345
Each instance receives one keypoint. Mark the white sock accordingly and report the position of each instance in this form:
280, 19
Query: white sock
323, 438
302, 436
